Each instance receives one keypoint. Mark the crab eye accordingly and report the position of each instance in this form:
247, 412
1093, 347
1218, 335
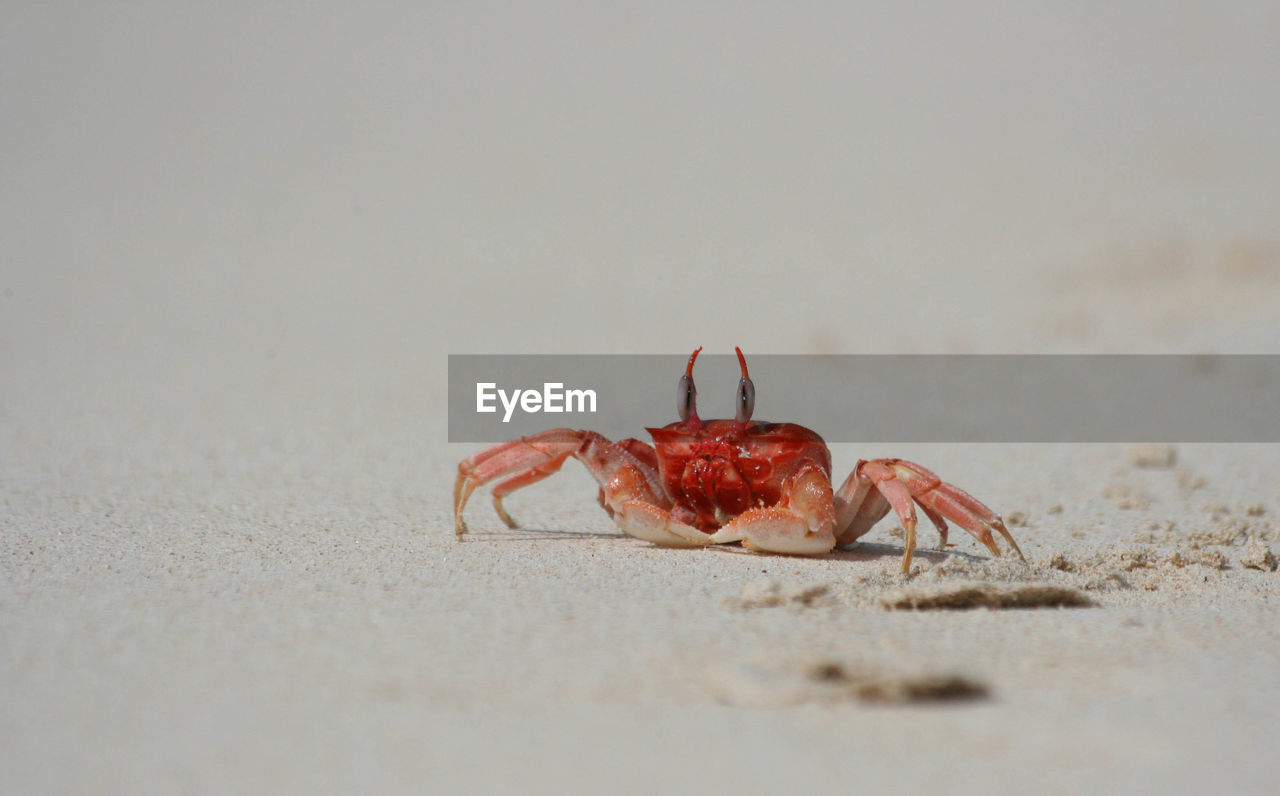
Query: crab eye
746, 399
686, 397
746, 391
686, 393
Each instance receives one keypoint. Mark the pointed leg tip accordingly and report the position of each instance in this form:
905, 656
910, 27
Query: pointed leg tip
1008, 537
507, 519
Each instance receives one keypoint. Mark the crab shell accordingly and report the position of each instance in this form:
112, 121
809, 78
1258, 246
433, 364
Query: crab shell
714, 473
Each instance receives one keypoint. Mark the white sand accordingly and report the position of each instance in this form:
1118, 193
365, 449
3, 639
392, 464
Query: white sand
237, 248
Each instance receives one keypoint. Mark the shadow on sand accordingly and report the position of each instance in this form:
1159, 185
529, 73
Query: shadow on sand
858, 551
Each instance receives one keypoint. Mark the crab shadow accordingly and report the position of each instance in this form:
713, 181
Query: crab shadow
534, 535
872, 551
859, 552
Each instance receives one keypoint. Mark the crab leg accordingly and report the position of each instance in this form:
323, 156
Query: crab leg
629, 484
520, 480
939, 523
530, 458
802, 522
880, 484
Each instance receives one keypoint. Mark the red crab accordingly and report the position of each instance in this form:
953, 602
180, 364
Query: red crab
767, 485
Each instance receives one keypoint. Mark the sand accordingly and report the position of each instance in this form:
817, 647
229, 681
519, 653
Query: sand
303, 616
238, 247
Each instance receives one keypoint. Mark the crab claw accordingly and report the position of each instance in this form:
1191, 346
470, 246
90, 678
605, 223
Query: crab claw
802, 523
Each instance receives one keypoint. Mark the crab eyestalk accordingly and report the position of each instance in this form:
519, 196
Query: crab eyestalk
746, 399
687, 393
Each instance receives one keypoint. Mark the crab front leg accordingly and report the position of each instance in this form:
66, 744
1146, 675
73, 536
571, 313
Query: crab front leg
880, 484
801, 523
629, 484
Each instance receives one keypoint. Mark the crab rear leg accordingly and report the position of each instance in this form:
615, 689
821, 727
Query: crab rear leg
520, 480
626, 473
880, 484
530, 459
801, 523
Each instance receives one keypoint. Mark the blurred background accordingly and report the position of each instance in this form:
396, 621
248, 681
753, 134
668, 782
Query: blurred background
304, 207
238, 241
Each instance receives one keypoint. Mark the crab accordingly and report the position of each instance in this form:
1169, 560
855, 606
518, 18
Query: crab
709, 482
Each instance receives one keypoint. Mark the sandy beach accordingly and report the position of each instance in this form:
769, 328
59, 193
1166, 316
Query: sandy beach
238, 247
